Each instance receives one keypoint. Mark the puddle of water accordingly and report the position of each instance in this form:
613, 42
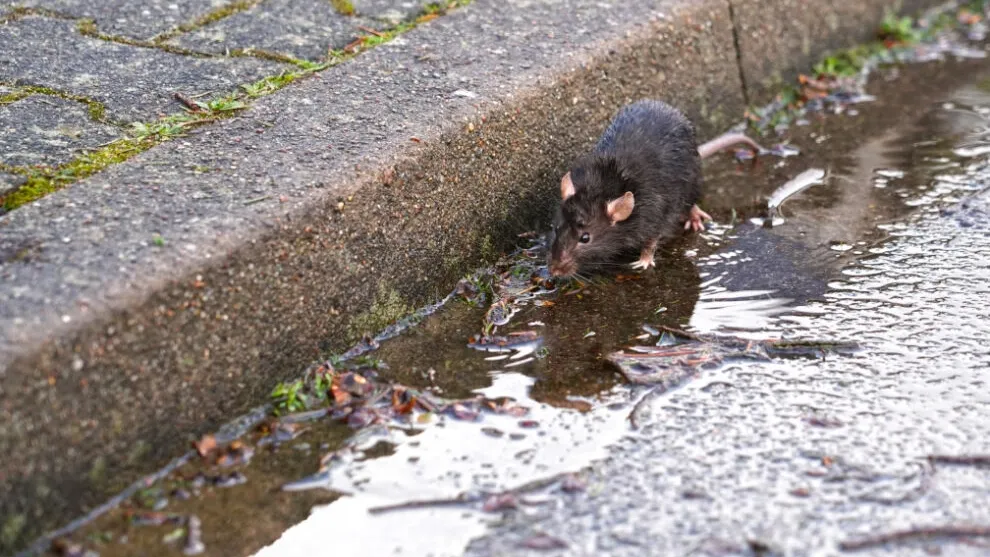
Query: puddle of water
446, 460
828, 263
747, 281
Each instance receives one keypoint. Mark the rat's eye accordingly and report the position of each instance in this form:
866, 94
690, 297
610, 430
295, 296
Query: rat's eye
585, 238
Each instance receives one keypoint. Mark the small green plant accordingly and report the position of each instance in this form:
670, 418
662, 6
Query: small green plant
898, 28
158, 240
226, 104
321, 382
369, 362
289, 397
343, 7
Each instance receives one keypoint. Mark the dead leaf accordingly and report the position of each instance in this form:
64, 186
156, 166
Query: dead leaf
500, 502
205, 445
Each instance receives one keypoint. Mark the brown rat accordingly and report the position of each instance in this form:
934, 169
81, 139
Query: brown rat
637, 187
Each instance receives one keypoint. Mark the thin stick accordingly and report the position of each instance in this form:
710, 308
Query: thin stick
679, 332
971, 460
370, 30
423, 504
188, 103
463, 499
915, 533
257, 200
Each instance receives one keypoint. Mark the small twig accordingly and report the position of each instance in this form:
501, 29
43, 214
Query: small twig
637, 406
353, 45
915, 533
465, 498
370, 30
188, 103
425, 504
681, 333
969, 460
257, 200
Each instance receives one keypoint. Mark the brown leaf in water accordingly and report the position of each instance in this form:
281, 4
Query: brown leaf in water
463, 412
402, 401
340, 396
499, 502
356, 384
206, 445
801, 492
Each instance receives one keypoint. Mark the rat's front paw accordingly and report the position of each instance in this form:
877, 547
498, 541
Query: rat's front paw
643, 264
696, 219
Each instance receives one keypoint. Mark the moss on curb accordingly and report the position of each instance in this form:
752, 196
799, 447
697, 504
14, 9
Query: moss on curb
388, 307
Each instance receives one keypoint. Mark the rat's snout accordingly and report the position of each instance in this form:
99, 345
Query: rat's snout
563, 266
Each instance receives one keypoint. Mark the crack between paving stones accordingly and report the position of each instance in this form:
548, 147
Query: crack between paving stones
735, 44
88, 28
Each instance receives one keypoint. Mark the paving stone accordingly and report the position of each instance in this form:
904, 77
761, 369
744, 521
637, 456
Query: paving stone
391, 11
300, 28
8, 183
48, 130
136, 19
134, 83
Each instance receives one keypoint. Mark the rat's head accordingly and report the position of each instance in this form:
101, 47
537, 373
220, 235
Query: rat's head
586, 228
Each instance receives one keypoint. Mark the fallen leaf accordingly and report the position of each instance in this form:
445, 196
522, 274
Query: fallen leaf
205, 445
801, 492
500, 502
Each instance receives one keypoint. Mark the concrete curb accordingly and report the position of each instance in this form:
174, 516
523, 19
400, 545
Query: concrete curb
327, 209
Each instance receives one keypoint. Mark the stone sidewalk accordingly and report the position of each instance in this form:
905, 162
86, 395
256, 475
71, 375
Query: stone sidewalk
76, 75
182, 271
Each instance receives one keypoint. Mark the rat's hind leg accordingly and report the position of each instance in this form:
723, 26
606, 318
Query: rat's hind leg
696, 219
645, 260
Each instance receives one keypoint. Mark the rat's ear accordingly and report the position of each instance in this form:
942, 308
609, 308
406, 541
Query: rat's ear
566, 186
620, 208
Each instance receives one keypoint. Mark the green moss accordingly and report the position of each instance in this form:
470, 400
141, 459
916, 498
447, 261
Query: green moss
13, 97
96, 109
206, 19
144, 135
487, 249
98, 471
138, 452
452, 263
46, 180
269, 84
898, 28
343, 7
12, 528
388, 307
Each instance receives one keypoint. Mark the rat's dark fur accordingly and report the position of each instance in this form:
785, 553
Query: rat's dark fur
649, 149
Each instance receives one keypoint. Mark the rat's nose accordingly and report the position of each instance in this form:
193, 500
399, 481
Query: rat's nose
562, 268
